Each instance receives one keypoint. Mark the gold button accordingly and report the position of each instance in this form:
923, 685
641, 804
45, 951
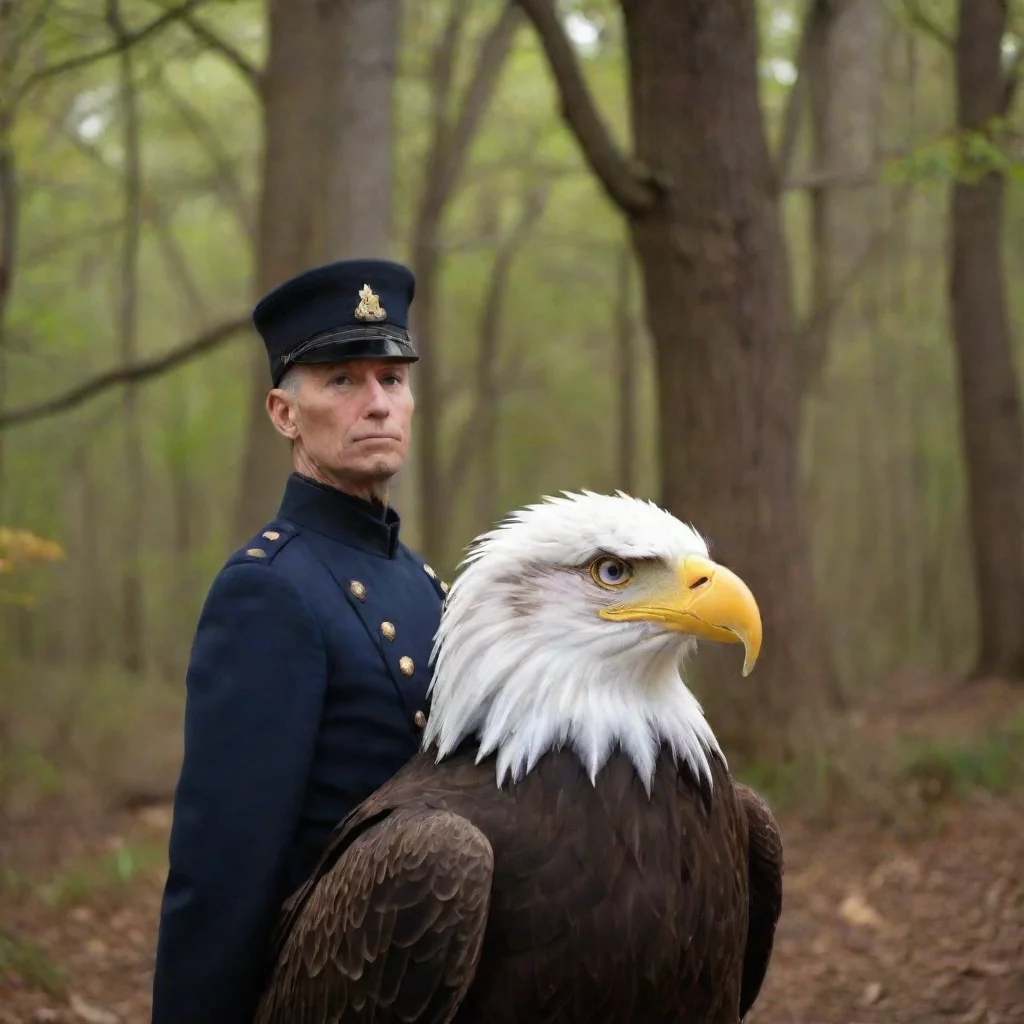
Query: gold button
256, 553
271, 535
388, 630
420, 719
406, 665
444, 586
358, 590
430, 572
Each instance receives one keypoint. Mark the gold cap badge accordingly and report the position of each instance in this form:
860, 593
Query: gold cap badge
369, 307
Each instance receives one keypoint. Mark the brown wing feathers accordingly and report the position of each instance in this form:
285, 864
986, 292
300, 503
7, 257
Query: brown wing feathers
393, 931
390, 927
767, 866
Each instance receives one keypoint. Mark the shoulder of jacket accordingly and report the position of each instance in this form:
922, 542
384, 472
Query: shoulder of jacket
264, 546
440, 585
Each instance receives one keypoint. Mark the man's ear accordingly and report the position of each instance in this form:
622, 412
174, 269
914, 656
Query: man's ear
281, 410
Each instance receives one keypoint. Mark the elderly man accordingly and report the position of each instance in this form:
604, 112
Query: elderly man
306, 688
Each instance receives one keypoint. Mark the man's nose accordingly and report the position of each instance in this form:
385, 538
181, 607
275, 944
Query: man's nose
377, 404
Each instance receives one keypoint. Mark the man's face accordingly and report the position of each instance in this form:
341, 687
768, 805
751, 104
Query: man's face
349, 422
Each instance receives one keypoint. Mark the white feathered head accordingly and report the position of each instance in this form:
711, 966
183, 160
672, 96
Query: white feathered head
568, 626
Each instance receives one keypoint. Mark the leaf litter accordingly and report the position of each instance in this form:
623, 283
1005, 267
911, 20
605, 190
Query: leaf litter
878, 927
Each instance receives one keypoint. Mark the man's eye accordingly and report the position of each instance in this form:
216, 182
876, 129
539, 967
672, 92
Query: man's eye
342, 379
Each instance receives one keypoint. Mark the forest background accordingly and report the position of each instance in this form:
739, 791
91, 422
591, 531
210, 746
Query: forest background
162, 165
761, 262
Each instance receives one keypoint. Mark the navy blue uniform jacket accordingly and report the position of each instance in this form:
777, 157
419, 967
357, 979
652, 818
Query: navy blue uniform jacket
306, 691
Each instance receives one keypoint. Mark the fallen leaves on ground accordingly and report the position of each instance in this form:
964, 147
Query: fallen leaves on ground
877, 928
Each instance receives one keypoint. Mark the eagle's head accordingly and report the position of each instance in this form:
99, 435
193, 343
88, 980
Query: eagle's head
568, 626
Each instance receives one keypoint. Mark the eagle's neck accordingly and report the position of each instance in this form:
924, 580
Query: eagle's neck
521, 702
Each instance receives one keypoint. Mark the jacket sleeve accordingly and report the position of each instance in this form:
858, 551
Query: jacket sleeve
254, 694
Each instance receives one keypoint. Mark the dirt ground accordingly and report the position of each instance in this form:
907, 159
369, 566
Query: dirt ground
882, 922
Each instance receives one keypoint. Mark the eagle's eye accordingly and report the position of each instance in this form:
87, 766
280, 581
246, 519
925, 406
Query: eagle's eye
610, 572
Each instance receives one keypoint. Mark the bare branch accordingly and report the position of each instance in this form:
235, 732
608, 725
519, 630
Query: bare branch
486, 390
444, 59
811, 36
816, 180
919, 20
488, 374
451, 139
625, 351
152, 211
451, 145
818, 320
249, 71
61, 242
228, 184
129, 105
143, 370
15, 41
629, 187
129, 39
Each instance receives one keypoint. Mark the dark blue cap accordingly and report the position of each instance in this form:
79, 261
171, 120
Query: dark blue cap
352, 309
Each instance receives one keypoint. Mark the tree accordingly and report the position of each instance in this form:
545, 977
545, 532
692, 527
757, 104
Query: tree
132, 591
700, 197
845, 68
454, 122
990, 402
327, 164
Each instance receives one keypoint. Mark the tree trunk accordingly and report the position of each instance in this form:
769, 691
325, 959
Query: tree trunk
287, 226
361, 145
489, 392
8, 253
625, 352
700, 195
188, 516
717, 293
326, 178
9, 211
845, 71
451, 138
359, 123
845, 65
89, 578
990, 401
132, 591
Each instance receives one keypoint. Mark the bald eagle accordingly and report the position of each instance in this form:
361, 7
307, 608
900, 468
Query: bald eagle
568, 845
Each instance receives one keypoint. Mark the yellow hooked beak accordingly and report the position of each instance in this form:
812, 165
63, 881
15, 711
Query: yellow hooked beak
706, 601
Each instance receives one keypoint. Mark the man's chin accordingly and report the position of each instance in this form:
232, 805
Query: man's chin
377, 470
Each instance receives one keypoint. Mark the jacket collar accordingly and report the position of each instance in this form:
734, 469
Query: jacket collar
352, 521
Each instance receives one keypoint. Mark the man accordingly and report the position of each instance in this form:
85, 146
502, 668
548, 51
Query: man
306, 688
